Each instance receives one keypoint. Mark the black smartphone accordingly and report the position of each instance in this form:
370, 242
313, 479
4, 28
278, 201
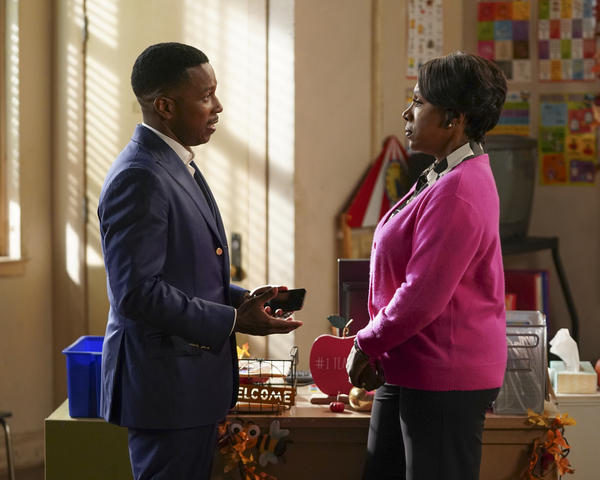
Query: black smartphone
287, 300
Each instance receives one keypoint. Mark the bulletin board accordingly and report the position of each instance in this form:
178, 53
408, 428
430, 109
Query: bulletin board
503, 36
567, 139
425, 33
515, 116
567, 44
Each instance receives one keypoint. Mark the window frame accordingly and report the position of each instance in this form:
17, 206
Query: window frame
3, 158
11, 260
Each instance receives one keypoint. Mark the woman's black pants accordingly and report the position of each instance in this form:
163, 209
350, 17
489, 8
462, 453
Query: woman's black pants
426, 435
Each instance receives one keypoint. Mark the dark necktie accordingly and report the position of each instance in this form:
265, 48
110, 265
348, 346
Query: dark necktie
205, 190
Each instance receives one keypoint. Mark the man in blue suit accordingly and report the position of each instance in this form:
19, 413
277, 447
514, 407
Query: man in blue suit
169, 364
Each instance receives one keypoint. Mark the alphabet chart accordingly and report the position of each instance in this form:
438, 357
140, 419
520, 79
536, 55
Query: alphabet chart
425, 33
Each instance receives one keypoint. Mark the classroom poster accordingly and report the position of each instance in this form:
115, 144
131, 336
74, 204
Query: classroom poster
514, 119
425, 33
566, 40
567, 139
503, 36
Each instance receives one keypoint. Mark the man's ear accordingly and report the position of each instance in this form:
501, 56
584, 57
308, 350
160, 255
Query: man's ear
164, 106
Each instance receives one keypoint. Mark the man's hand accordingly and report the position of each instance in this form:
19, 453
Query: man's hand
253, 319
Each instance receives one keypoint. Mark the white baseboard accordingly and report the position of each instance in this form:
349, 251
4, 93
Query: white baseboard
28, 450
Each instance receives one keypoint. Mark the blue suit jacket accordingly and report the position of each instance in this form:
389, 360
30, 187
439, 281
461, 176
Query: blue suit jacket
169, 357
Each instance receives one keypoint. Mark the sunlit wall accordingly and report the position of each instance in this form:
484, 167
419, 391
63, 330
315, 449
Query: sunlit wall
12, 134
234, 35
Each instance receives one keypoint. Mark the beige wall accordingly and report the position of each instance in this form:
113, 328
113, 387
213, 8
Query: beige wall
566, 212
26, 300
333, 145
68, 275
336, 111
350, 95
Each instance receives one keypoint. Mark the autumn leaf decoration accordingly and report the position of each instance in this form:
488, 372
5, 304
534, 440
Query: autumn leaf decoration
233, 447
549, 452
243, 352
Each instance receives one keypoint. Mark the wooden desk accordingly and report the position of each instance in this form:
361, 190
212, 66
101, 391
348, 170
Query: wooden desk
325, 445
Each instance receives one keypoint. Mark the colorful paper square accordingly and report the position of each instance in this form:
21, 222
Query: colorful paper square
521, 70
503, 11
554, 169
552, 140
554, 28
581, 171
544, 9
520, 30
485, 12
588, 64
565, 49
503, 50
577, 28
554, 49
521, 10
588, 9
577, 48
589, 26
544, 30
565, 9
485, 49
589, 48
544, 49
587, 146
503, 30
554, 115
578, 69
565, 28
485, 31
555, 9
544, 67
581, 146
581, 121
577, 9
520, 49
566, 69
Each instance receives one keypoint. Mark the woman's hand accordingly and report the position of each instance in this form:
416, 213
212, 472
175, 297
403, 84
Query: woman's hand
360, 371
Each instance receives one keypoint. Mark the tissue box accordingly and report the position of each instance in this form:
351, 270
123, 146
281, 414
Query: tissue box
564, 381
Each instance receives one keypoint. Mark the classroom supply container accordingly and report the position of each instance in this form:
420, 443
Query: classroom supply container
84, 360
525, 377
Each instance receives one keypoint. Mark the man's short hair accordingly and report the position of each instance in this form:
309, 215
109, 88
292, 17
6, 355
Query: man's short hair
463, 83
163, 67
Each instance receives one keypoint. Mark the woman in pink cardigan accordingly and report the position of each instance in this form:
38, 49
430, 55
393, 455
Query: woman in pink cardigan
436, 295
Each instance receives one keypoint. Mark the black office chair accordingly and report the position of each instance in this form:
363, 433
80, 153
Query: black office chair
9, 451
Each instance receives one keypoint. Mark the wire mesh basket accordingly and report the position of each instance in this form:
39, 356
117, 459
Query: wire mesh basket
267, 385
525, 377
